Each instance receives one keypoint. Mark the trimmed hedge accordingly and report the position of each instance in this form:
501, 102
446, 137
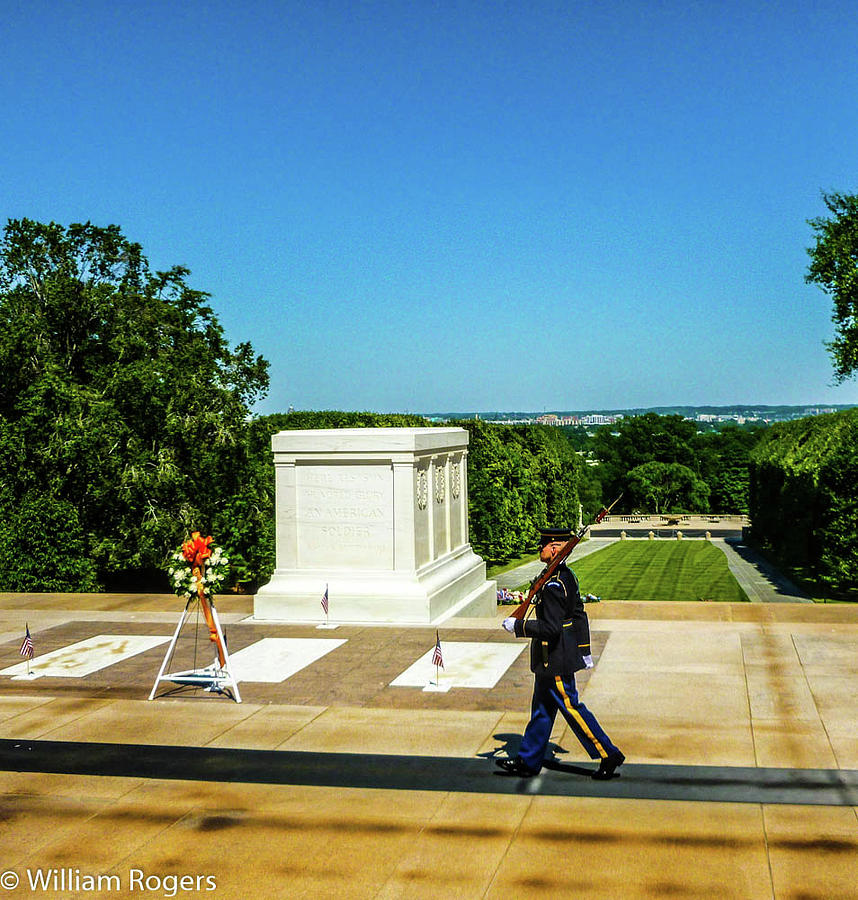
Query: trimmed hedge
803, 494
43, 547
520, 478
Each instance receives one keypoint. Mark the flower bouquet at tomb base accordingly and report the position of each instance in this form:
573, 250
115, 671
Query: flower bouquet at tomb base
506, 597
198, 566
198, 569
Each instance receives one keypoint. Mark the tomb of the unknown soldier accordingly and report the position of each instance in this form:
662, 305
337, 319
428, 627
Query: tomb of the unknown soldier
376, 519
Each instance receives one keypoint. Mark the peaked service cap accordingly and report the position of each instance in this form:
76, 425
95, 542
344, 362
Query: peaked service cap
550, 535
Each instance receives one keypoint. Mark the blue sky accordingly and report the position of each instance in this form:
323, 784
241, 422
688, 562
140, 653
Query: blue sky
427, 206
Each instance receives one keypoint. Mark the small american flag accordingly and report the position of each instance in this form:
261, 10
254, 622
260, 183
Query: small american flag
27, 648
437, 658
325, 600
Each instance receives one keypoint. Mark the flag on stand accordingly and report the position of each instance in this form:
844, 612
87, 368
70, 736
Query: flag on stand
325, 600
27, 648
437, 658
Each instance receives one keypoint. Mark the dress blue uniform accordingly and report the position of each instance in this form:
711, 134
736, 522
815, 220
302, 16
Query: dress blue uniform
560, 639
560, 646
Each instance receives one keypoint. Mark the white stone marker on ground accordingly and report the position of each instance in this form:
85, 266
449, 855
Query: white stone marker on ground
469, 664
273, 660
85, 657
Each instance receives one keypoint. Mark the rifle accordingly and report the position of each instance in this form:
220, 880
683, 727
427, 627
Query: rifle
537, 584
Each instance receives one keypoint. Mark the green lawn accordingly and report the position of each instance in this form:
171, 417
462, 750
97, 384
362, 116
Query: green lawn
658, 570
494, 571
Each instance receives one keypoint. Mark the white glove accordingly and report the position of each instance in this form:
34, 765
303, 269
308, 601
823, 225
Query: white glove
509, 624
588, 661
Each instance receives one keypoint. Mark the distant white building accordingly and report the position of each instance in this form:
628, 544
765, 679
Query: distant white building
598, 419
553, 419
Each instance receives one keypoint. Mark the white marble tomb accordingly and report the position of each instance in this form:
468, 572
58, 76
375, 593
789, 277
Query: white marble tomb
380, 517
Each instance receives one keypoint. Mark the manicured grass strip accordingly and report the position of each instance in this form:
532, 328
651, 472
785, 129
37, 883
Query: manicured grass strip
658, 570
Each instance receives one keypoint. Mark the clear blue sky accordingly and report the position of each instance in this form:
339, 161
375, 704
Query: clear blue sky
459, 205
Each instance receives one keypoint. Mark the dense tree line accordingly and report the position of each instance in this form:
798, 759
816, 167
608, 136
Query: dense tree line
125, 422
804, 511
125, 418
662, 464
519, 478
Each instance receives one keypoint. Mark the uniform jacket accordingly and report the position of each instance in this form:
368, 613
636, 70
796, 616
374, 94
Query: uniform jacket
559, 630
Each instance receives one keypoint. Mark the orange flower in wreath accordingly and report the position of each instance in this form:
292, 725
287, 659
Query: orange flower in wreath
197, 549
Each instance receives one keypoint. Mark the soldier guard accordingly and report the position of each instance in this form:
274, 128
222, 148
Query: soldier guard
559, 646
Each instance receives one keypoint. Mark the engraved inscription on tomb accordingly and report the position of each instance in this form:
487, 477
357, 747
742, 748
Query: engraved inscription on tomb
346, 514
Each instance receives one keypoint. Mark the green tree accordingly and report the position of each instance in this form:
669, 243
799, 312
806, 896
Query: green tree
667, 487
121, 397
723, 462
803, 507
43, 547
719, 458
641, 439
834, 268
519, 478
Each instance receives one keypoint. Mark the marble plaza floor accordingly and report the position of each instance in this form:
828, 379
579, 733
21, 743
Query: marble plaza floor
341, 775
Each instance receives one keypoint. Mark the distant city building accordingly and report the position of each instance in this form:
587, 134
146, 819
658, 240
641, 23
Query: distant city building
554, 419
740, 415
597, 419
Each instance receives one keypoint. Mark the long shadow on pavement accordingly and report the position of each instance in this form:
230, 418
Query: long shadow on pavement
735, 784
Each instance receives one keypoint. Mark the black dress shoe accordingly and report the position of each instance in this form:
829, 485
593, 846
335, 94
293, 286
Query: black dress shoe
608, 767
516, 766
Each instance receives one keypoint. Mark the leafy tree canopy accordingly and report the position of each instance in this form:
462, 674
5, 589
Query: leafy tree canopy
641, 439
834, 268
723, 462
121, 397
719, 459
667, 487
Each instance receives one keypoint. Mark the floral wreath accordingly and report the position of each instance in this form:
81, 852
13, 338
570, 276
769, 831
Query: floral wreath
198, 565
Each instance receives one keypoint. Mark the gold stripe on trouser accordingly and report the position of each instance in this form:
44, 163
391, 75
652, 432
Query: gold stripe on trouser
577, 716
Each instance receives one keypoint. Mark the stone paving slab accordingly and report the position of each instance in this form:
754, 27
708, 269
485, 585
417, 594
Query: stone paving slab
737, 720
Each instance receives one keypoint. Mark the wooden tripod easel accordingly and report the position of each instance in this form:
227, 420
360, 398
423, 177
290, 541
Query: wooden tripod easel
215, 677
